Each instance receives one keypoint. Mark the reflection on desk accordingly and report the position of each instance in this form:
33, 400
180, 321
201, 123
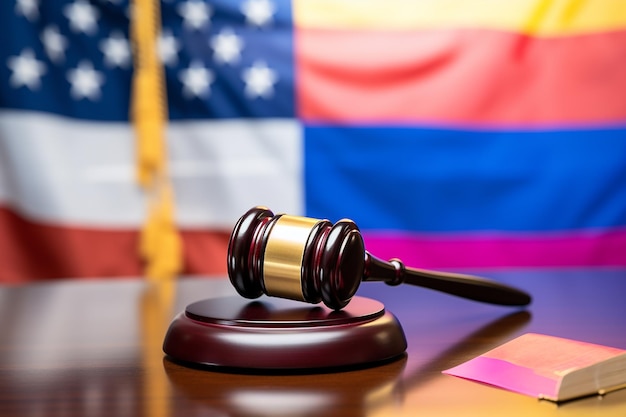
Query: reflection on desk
93, 348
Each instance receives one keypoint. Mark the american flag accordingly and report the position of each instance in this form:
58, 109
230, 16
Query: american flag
67, 187
455, 139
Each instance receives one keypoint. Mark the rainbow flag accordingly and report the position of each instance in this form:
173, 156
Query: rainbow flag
458, 134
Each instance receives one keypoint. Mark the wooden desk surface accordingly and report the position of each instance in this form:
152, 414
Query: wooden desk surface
94, 349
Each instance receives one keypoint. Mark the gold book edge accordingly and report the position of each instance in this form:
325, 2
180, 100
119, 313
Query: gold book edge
600, 392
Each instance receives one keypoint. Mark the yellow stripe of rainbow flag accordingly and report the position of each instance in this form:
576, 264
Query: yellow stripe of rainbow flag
532, 17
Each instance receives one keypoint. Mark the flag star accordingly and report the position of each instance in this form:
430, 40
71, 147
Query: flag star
259, 80
227, 47
196, 80
83, 16
85, 81
258, 12
27, 70
167, 48
195, 13
54, 43
28, 8
116, 49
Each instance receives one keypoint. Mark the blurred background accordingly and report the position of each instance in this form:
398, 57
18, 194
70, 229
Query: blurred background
458, 134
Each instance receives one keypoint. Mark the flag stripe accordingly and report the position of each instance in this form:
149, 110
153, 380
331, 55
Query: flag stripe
31, 251
493, 250
61, 170
459, 77
443, 180
539, 17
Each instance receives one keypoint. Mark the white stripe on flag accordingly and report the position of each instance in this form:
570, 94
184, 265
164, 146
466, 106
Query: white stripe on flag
65, 171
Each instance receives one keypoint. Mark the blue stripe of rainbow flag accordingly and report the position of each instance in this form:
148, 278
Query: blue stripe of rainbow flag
443, 198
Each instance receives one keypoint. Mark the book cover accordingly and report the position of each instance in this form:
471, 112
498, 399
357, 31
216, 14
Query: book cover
548, 367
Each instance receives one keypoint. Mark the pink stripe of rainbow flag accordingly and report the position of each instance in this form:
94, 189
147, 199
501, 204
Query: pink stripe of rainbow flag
581, 248
460, 77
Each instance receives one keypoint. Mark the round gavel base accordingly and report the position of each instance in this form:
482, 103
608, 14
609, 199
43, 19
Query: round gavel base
274, 333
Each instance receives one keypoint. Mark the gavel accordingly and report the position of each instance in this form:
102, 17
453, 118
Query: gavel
314, 260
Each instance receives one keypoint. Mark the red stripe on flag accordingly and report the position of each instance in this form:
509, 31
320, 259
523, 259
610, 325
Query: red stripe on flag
586, 248
32, 251
460, 76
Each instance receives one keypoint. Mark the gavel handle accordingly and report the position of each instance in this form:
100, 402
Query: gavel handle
467, 286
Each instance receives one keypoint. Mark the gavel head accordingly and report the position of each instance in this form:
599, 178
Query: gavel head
296, 257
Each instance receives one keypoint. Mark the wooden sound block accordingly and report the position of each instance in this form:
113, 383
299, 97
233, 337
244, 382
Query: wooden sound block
274, 333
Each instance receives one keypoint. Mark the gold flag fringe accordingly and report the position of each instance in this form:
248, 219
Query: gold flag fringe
160, 244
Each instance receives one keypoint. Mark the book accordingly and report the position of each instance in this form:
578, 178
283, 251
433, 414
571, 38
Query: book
548, 367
